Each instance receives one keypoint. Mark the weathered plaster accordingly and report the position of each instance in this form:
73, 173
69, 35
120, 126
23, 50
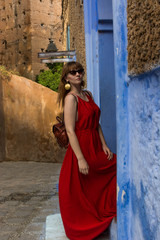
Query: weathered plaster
123, 164
29, 112
123, 196
144, 119
138, 134
117, 190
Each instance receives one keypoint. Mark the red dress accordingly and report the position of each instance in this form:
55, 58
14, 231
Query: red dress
87, 202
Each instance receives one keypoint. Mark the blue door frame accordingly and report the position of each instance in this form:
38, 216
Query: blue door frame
98, 28
91, 39
100, 63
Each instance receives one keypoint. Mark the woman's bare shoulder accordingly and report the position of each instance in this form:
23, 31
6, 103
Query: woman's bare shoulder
70, 97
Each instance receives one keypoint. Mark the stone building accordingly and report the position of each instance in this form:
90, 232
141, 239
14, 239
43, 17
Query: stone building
73, 28
25, 29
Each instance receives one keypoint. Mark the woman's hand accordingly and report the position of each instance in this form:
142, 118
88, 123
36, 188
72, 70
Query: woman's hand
107, 152
83, 166
104, 145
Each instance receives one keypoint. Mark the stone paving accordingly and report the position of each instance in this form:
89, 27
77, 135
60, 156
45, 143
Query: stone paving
28, 194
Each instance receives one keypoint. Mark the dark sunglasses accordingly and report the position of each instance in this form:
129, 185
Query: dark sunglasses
80, 71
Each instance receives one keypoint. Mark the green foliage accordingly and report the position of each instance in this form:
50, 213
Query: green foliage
6, 74
50, 78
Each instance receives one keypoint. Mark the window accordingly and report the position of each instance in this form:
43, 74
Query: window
81, 2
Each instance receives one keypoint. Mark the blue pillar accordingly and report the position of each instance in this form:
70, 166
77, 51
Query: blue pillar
123, 164
91, 40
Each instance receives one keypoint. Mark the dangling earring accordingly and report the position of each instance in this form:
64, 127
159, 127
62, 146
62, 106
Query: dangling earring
67, 86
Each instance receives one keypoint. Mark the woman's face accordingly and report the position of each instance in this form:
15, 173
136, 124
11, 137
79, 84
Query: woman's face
75, 77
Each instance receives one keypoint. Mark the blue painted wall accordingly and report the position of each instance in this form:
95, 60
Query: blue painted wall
100, 63
144, 119
123, 161
138, 142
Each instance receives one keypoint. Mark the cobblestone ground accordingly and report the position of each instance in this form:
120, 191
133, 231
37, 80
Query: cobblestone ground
28, 194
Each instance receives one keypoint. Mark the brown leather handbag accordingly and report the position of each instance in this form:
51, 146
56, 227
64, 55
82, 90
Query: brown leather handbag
60, 133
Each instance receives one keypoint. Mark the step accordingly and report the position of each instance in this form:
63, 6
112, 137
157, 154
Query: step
113, 230
55, 229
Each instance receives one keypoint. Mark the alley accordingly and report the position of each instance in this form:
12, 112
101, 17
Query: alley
28, 194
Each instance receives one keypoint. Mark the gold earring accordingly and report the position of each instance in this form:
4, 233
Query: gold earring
67, 86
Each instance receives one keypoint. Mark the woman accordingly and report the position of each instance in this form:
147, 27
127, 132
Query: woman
87, 183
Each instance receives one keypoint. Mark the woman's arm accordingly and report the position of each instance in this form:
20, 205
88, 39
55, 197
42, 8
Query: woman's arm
70, 114
104, 145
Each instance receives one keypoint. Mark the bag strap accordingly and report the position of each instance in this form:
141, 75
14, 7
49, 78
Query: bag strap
59, 119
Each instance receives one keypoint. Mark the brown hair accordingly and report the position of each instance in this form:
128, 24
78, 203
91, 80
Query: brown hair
70, 66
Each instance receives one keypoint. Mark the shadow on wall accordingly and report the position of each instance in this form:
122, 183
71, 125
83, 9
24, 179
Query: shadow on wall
139, 208
29, 111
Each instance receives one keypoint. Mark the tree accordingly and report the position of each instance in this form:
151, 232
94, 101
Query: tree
50, 78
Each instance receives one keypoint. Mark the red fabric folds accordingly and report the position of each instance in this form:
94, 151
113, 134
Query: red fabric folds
87, 202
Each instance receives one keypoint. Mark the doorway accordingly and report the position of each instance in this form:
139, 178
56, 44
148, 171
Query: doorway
100, 63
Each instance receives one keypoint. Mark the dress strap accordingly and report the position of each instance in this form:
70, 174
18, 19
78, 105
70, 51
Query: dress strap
88, 93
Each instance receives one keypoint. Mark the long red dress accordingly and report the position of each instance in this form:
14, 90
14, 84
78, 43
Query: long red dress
87, 202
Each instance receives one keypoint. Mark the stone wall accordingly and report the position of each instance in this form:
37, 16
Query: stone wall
143, 35
144, 128
25, 29
15, 37
45, 23
73, 16
29, 111
2, 126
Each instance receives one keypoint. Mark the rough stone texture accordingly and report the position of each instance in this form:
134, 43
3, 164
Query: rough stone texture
143, 35
29, 113
2, 126
25, 29
144, 121
73, 16
45, 23
28, 194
